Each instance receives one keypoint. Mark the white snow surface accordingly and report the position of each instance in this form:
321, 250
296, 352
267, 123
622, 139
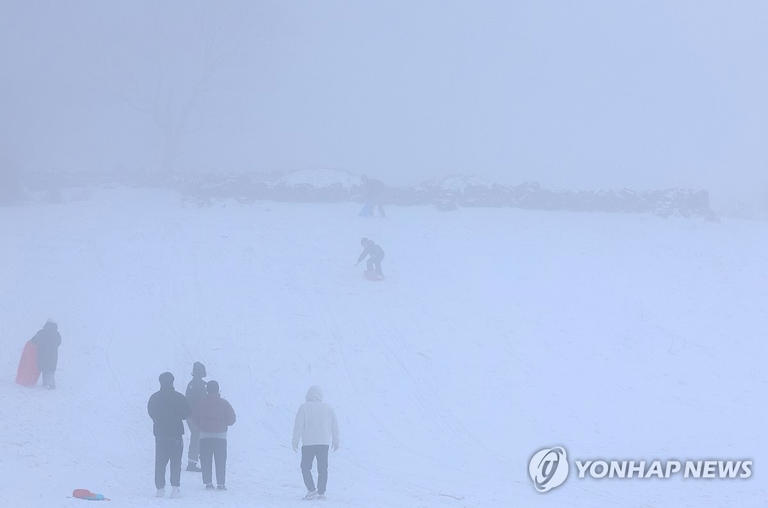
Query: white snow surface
497, 332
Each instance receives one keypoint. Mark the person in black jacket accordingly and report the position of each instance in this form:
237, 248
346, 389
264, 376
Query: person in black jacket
48, 341
168, 408
375, 255
196, 391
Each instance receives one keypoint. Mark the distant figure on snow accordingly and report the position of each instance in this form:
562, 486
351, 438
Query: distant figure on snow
213, 415
168, 408
375, 255
316, 428
48, 341
372, 196
195, 393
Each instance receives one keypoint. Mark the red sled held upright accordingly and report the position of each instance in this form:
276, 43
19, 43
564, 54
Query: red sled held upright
28, 373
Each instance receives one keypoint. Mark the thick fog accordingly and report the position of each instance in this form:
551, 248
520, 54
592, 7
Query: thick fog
574, 95
432, 254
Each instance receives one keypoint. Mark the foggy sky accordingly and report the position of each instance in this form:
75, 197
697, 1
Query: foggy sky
572, 94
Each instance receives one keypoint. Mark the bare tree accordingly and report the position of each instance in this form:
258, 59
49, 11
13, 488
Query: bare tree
171, 95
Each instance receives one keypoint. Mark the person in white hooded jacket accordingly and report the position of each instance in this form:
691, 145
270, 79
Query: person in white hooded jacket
317, 430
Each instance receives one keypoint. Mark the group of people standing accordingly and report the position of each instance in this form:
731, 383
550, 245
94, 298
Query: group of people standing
208, 417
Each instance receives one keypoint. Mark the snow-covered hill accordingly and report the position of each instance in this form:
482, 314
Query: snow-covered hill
497, 332
320, 179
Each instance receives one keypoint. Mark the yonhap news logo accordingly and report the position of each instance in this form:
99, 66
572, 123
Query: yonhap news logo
549, 468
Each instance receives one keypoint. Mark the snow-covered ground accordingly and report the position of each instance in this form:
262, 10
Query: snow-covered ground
497, 332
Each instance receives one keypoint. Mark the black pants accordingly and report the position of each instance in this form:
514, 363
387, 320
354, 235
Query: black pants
374, 264
213, 448
168, 449
308, 454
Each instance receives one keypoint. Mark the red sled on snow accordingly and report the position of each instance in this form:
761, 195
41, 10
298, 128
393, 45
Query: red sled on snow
28, 373
372, 276
88, 495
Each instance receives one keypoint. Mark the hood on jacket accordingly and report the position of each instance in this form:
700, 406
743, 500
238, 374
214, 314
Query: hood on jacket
198, 370
166, 381
50, 325
314, 394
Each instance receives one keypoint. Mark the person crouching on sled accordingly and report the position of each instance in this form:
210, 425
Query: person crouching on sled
375, 255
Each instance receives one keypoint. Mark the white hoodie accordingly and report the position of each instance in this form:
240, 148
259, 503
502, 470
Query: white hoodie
315, 422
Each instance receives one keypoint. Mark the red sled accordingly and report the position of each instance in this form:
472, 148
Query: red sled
372, 276
28, 373
88, 495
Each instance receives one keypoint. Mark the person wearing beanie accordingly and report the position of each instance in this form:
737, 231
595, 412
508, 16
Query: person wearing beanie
213, 415
168, 408
195, 393
317, 430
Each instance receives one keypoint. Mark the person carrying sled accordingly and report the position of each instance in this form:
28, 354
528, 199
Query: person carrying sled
195, 393
168, 408
317, 430
375, 255
213, 415
48, 341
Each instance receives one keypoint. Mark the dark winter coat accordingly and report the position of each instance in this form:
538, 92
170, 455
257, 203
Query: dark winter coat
373, 250
213, 414
48, 341
372, 190
195, 391
168, 408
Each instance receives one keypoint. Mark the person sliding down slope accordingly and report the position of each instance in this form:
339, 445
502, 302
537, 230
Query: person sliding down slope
375, 255
316, 428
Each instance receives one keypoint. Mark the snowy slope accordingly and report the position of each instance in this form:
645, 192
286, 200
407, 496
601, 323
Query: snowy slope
497, 332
